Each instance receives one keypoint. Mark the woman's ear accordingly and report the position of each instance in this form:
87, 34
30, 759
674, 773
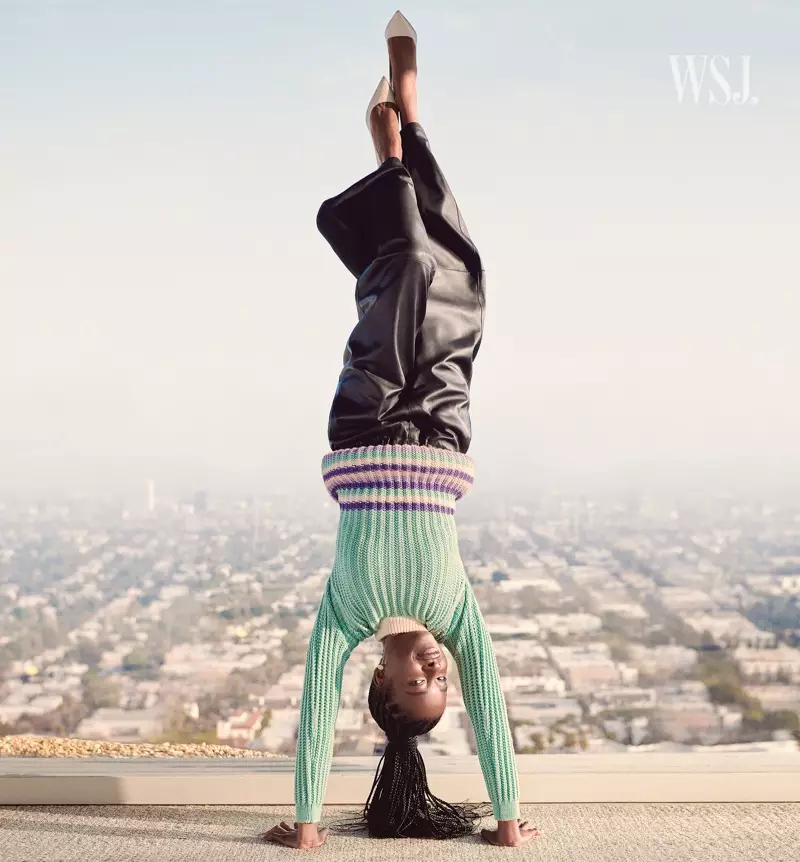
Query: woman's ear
379, 676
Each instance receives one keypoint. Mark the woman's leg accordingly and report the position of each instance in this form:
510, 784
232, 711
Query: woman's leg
450, 336
375, 228
438, 397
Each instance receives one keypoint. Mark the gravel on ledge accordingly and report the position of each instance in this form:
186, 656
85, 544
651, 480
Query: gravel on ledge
45, 746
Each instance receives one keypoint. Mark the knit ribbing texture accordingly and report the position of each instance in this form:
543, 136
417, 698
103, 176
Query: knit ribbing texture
397, 556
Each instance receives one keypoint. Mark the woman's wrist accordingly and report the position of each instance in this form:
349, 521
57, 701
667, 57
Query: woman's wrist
508, 828
307, 834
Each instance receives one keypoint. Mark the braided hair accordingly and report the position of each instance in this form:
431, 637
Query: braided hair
400, 804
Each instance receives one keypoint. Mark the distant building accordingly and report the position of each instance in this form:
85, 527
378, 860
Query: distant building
688, 722
281, 731
240, 727
729, 628
628, 610
686, 600
278, 697
10, 713
588, 667
774, 585
774, 697
565, 625
121, 725
782, 662
621, 699
790, 585
587, 576
44, 703
191, 709
662, 660
589, 676
544, 680
520, 655
520, 579
170, 592
683, 690
349, 720
527, 736
543, 710
510, 625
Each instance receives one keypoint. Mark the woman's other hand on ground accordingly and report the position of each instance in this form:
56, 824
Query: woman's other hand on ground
302, 836
510, 833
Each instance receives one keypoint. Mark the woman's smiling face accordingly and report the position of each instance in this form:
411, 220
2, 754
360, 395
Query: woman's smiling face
415, 667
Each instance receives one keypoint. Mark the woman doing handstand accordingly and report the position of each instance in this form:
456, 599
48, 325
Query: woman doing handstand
399, 432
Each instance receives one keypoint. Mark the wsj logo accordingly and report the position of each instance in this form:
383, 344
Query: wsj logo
709, 76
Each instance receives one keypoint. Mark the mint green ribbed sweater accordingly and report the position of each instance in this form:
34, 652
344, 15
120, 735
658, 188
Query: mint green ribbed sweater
397, 555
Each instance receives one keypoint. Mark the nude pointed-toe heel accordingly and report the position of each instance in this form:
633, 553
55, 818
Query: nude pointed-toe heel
383, 93
399, 25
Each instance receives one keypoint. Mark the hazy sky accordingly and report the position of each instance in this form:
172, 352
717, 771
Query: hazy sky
168, 309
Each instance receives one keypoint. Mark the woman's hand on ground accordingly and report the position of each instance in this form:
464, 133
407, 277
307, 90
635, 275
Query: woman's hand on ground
303, 836
510, 833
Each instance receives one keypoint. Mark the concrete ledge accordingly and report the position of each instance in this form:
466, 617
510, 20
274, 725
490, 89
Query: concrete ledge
723, 777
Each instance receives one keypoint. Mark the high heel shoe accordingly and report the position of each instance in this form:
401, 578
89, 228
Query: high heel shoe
399, 25
383, 93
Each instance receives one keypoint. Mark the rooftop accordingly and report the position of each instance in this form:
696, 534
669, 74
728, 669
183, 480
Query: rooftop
721, 777
647, 807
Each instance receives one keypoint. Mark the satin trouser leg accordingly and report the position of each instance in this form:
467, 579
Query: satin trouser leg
439, 396
375, 228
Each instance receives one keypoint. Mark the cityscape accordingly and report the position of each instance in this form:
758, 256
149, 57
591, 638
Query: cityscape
558, 239
621, 623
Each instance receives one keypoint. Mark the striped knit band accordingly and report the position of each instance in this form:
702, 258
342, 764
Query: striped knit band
418, 478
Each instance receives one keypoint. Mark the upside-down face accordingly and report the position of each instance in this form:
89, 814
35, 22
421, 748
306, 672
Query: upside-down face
415, 667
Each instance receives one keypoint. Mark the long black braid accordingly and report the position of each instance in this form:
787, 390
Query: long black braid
400, 804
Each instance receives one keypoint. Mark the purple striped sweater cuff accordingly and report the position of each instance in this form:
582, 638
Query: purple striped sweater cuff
414, 478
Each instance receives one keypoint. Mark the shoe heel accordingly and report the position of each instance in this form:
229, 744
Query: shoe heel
383, 93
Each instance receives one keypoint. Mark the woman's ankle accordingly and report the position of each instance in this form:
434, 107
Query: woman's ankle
385, 131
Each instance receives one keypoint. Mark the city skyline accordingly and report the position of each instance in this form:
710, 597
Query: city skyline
617, 625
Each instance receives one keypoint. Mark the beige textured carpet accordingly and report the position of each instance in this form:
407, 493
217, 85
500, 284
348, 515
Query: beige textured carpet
570, 833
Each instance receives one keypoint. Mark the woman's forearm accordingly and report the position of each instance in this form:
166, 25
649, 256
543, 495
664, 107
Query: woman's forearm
328, 650
471, 645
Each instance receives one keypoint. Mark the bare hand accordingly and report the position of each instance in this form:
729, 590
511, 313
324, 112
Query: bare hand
510, 833
303, 836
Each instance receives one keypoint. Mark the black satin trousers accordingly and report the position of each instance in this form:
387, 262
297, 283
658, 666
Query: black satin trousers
420, 295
